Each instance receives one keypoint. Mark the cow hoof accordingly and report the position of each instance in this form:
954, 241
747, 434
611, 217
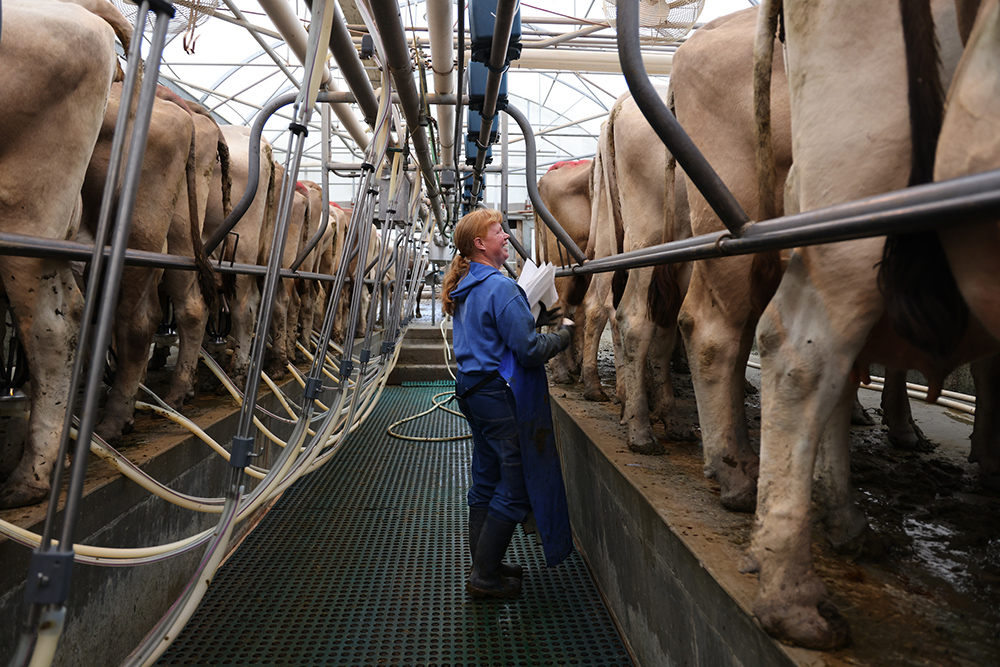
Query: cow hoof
740, 500
860, 416
681, 433
175, 401
650, 447
562, 378
819, 627
866, 543
109, 432
748, 565
912, 441
21, 495
596, 395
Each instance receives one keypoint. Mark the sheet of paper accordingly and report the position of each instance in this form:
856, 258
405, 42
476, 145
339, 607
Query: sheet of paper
539, 284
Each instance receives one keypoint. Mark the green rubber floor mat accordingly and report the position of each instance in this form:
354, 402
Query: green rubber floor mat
364, 563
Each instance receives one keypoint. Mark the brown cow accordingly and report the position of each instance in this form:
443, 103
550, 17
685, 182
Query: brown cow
565, 191
161, 187
636, 207
57, 61
250, 241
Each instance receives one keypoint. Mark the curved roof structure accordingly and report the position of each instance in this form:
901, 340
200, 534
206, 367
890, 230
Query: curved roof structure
565, 82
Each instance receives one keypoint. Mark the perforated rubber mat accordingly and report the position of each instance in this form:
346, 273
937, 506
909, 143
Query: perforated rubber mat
365, 561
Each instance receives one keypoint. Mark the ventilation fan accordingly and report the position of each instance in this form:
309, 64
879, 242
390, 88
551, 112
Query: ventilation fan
188, 14
661, 21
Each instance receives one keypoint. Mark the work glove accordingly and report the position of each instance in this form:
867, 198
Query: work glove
548, 317
565, 333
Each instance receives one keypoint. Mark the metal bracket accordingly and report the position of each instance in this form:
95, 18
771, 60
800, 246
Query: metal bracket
346, 367
241, 452
48, 577
367, 47
365, 355
313, 387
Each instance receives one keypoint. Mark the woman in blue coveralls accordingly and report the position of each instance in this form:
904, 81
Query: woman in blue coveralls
503, 393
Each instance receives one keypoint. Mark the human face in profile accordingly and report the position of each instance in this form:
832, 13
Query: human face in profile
493, 245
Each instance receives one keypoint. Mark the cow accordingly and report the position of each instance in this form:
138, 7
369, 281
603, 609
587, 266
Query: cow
640, 203
852, 137
193, 293
283, 322
161, 187
565, 191
967, 145
308, 292
250, 241
711, 80
57, 62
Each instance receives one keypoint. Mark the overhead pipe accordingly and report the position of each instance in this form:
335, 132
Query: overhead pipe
294, 34
397, 55
502, 27
439, 20
697, 168
459, 99
351, 67
532, 184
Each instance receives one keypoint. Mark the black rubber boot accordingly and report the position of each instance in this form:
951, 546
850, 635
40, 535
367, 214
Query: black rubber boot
485, 580
477, 516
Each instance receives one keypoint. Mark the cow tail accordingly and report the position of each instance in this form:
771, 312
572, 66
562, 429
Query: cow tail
923, 302
763, 57
620, 277
766, 266
765, 276
663, 298
206, 275
228, 279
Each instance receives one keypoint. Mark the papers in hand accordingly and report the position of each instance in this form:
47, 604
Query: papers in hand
539, 284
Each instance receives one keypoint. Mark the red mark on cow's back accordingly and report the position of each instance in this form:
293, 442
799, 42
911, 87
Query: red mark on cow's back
568, 163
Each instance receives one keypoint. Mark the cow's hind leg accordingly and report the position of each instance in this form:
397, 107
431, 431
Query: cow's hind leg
986, 431
806, 360
244, 311
278, 354
636, 334
135, 322
47, 312
718, 335
595, 305
903, 431
846, 526
192, 315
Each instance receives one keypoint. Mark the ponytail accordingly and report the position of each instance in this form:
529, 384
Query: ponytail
456, 271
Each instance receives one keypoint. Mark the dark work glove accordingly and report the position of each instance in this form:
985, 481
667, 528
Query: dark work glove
565, 334
548, 317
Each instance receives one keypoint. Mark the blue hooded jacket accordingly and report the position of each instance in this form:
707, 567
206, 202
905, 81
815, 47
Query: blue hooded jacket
492, 315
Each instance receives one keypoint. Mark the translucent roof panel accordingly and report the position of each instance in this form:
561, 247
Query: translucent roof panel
239, 62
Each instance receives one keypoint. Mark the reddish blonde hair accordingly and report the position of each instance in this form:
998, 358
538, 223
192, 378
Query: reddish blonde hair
472, 226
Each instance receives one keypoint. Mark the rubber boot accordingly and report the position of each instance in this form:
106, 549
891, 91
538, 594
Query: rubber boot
477, 516
485, 580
